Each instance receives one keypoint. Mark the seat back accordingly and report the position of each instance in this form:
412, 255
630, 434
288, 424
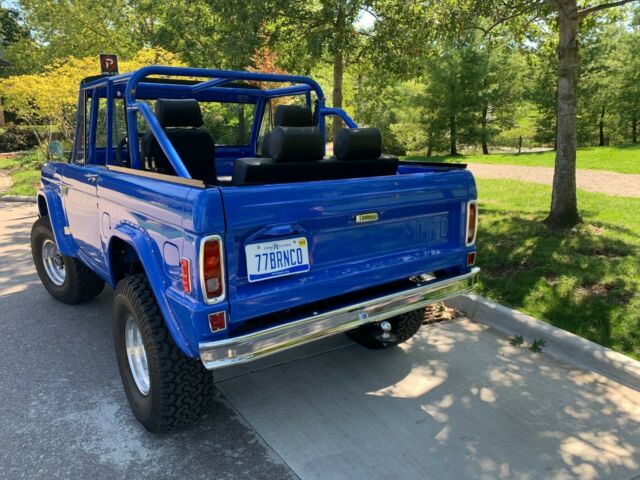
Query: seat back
180, 120
287, 116
296, 156
357, 144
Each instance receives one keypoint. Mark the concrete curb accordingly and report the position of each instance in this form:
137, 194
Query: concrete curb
559, 343
18, 198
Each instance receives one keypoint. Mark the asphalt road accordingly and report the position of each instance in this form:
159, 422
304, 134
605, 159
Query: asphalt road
62, 408
456, 402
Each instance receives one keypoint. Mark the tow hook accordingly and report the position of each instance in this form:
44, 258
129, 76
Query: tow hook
386, 336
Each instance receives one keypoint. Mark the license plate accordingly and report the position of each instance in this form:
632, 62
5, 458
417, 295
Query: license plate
277, 258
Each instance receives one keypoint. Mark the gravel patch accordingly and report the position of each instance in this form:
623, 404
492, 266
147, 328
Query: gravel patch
610, 183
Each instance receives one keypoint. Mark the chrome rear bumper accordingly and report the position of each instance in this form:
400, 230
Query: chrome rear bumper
255, 345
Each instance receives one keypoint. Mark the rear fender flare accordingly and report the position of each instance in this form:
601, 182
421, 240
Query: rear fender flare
144, 248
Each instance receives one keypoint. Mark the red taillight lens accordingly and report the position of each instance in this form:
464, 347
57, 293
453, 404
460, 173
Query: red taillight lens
471, 258
217, 321
472, 222
185, 274
212, 269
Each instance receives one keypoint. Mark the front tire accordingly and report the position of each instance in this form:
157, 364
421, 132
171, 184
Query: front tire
165, 388
67, 279
403, 327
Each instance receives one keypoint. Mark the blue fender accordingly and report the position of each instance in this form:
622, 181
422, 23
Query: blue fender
145, 248
58, 221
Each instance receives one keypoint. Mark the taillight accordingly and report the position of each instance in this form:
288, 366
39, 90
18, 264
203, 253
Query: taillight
472, 222
212, 269
185, 274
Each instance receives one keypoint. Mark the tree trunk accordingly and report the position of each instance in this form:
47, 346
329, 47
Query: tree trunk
601, 125
453, 131
338, 75
634, 129
241, 125
564, 204
2, 121
485, 147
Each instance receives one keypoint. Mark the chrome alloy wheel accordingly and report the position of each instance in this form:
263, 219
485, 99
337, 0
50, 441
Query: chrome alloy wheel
137, 355
53, 263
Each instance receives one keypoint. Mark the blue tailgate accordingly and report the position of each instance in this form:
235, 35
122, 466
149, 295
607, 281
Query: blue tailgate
419, 228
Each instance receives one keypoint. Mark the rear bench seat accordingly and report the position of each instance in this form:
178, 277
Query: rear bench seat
296, 156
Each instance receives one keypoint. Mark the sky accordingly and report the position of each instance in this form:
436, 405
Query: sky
365, 20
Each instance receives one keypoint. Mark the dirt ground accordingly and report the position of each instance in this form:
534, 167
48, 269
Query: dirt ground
610, 183
5, 181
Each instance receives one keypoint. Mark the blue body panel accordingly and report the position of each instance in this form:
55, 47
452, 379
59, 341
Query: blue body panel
95, 207
419, 230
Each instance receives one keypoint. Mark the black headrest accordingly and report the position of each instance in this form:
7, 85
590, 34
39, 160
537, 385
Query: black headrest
178, 113
357, 144
296, 144
293, 116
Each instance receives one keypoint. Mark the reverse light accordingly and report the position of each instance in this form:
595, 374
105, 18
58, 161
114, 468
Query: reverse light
472, 222
217, 321
212, 269
185, 274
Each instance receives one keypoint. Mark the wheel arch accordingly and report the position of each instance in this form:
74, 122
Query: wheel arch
50, 204
130, 251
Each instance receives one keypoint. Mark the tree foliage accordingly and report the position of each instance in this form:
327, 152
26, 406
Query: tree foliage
47, 100
435, 76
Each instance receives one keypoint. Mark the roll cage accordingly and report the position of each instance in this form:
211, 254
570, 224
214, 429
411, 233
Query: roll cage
208, 85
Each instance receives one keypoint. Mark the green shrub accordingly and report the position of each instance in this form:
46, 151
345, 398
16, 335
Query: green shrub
15, 139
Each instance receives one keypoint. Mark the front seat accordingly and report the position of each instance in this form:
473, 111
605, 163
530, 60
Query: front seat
181, 121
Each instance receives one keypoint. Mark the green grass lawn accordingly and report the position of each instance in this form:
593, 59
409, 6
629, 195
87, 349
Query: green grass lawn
623, 158
586, 280
24, 172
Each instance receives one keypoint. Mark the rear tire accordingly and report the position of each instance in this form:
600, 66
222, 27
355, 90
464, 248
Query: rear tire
403, 327
67, 279
178, 388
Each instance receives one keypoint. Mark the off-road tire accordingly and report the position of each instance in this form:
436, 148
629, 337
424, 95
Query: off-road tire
403, 327
80, 283
181, 388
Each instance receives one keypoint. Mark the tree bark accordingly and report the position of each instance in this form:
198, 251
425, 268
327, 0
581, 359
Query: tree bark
453, 132
338, 76
601, 126
564, 203
485, 147
2, 120
634, 129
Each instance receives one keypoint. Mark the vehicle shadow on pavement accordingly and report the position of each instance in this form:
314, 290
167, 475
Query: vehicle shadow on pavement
64, 412
457, 402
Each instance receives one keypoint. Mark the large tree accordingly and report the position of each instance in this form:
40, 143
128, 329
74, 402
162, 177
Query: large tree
329, 31
568, 16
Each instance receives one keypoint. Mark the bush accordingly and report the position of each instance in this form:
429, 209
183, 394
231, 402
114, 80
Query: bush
15, 139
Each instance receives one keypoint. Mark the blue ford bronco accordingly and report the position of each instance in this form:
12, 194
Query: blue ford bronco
207, 201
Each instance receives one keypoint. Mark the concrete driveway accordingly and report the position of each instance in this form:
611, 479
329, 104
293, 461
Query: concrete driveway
456, 402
